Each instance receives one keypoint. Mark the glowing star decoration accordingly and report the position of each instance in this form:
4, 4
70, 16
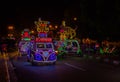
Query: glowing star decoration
42, 26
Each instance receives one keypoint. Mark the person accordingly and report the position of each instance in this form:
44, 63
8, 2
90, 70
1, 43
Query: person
3, 46
69, 46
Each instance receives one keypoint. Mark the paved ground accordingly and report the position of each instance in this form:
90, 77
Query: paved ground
3, 73
6, 69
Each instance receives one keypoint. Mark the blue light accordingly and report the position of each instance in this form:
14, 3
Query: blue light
38, 57
48, 22
42, 35
52, 57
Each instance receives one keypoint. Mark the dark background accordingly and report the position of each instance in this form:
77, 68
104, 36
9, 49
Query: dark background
97, 19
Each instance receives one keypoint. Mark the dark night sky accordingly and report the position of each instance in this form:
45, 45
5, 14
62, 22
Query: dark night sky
24, 13
95, 16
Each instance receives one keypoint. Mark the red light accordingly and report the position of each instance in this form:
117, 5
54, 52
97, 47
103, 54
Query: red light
26, 34
97, 45
61, 30
43, 39
42, 32
42, 25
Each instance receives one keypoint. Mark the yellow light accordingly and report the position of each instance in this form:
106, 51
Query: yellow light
56, 27
74, 18
32, 31
56, 52
50, 26
10, 34
10, 27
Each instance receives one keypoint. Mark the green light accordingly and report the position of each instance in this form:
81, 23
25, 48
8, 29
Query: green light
27, 39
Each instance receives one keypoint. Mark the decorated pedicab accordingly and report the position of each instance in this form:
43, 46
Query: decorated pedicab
67, 45
110, 52
42, 48
24, 43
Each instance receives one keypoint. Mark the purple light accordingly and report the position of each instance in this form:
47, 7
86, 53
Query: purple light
52, 57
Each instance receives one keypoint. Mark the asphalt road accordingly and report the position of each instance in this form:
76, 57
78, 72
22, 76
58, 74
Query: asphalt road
3, 73
70, 69
4, 68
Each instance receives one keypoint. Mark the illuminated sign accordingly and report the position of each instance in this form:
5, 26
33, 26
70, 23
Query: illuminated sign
43, 39
44, 29
42, 25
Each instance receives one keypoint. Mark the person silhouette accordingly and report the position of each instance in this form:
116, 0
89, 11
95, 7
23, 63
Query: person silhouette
3, 46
